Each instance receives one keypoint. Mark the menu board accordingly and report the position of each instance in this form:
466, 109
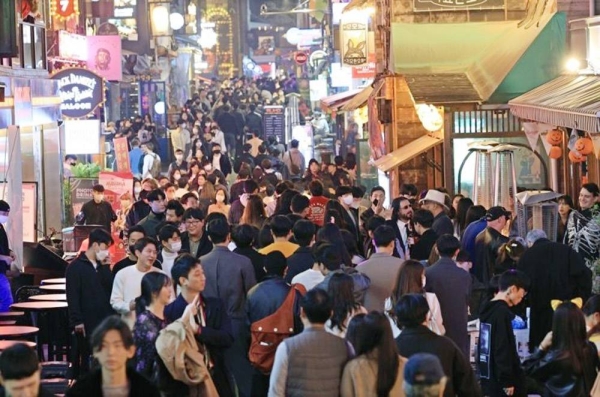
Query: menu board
274, 122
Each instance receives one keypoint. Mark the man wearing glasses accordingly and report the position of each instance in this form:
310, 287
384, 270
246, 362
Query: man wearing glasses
194, 240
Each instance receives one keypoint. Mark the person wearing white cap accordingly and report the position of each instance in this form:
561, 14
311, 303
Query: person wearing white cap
435, 202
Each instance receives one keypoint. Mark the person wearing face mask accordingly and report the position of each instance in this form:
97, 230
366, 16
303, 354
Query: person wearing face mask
350, 215
97, 211
179, 164
221, 204
70, 161
156, 200
89, 283
207, 166
219, 161
177, 137
140, 209
170, 241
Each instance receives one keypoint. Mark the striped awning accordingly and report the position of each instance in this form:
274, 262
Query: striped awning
571, 101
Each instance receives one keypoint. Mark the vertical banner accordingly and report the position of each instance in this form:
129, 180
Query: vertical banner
354, 39
117, 184
122, 154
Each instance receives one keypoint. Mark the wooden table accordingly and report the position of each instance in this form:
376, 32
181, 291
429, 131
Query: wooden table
18, 330
5, 344
8, 322
49, 297
54, 281
54, 287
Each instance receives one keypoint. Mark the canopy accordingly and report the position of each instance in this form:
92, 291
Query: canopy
460, 62
408, 152
336, 101
571, 101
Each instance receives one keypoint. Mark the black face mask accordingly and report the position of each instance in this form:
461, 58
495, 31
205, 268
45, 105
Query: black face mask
217, 152
132, 249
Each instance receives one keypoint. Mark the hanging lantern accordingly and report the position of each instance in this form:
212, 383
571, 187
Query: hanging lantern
584, 146
576, 157
555, 152
554, 137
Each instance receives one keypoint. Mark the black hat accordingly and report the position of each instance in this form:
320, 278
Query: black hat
496, 212
423, 369
4, 207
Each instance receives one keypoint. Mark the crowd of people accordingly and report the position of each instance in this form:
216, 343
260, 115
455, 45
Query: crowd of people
294, 281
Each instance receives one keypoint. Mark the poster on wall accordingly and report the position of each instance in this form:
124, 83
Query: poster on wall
125, 20
29, 209
354, 39
81, 193
116, 185
104, 56
122, 154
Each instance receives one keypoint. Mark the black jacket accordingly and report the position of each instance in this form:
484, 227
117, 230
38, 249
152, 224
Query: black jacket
254, 122
204, 247
502, 360
88, 293
461, 379
422, 248
556, 271
139, 210
554, 374
93, 213
151, 222
243, 158
300, 261
217, 336
227, 123
257, 259
41, 392
91, 385
224, 163
487, 244
442, 224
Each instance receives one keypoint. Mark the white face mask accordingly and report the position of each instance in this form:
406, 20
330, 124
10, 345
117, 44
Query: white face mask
348, 199
355, 204
208, 168
3, 219
176, 246
177, 177
137, 190
102, 255
179, 157
220, 198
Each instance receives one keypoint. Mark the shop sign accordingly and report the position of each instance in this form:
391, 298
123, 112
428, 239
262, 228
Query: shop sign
354, 39
300, 58
104, 56
122, 154
72, 46
81, 91
456, 5
274, 122
367, 71
116, 184
64, 9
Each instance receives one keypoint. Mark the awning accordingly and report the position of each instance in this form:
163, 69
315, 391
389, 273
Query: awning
336, 101
358, 100
359, 5
459, 62
407, 152
571, 101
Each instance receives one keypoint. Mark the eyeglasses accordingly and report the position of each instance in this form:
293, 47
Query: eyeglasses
192, 222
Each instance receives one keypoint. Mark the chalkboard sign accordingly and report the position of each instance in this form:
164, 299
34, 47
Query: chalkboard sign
274, 122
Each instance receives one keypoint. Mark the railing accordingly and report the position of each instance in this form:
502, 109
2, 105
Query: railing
32, 48
488, 121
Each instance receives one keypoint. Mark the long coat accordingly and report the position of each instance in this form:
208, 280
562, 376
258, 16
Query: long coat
555, 271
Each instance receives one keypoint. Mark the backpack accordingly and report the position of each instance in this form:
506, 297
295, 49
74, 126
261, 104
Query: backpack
156, 166
269, 332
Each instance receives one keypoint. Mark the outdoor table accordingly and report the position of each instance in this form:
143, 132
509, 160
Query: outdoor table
5, 344
36, 307
54, 281
54, 287
8, 322
17, 330
49, 297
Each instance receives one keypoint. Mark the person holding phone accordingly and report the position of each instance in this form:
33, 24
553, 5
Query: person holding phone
377, 207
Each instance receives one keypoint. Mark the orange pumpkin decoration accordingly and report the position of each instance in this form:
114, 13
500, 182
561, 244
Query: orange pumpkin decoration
555, 152
584, 146
554, 137
576, 157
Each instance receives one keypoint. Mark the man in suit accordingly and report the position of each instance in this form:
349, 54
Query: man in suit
350, 215
452, 286
423, 220
401, 222
229, 277
382, 268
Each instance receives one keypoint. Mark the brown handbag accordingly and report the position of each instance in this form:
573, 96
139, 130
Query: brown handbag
269, 332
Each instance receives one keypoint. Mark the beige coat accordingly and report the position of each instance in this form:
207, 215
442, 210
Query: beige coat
360, 378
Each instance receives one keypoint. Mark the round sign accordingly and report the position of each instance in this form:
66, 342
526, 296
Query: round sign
81, 91
300, 58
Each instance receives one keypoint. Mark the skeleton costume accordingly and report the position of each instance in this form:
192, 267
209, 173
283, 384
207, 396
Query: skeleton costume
583, 235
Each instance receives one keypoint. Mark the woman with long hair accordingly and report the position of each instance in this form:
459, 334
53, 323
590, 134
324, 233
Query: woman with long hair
285, 201
336, 206
591, 310
566, 362
313, 171
474, 213
341, 291
509, 254
157, 290
254, 213
221, 201
460, 220
332, 234
411, 280
378, 369
193, 174
565, 206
